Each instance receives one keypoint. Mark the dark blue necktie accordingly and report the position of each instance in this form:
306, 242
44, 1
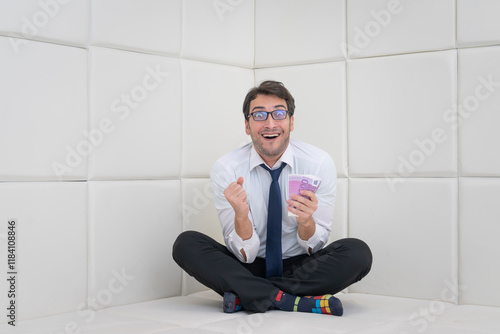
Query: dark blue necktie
274, 259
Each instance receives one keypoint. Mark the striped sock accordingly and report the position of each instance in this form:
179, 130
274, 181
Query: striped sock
231, 303
326, 304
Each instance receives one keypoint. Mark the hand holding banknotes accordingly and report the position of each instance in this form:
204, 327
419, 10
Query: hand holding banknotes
303, 205
302, 187
302, 202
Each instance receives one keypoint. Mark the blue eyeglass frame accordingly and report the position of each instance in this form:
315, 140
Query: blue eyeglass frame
267, 115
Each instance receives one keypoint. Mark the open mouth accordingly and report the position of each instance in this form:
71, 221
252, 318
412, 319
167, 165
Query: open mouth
270, 136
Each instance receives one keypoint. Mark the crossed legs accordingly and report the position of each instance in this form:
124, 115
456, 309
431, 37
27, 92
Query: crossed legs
327, 271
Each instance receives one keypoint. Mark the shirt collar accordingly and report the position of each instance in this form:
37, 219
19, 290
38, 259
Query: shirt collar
256, 159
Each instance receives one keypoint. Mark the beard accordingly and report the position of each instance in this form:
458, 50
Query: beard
275, 151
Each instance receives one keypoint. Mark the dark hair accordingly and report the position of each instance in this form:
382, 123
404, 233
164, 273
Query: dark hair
269, 88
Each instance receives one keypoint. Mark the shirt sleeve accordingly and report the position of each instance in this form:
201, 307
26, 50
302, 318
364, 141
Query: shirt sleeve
221, 178
326, 195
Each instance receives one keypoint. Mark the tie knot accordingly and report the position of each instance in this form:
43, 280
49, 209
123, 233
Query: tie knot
275, 173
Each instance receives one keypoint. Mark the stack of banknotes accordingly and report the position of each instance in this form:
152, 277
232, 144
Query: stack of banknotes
298, 182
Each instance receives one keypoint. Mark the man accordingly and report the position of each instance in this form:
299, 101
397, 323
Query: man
273, 260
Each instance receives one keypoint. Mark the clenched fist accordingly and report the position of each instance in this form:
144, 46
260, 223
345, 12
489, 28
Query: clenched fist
237, 197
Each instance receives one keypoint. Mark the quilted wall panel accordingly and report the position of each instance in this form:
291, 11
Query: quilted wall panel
112, 113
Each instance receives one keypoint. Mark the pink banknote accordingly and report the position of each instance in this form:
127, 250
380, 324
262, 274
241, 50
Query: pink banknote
297, 182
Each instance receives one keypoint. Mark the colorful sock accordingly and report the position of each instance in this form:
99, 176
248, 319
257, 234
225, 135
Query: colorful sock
326, 304
231, 303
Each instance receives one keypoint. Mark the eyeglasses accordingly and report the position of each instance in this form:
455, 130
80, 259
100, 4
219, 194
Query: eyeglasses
262, 115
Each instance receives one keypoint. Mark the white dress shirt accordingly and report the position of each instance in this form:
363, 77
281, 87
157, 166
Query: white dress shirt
301, 158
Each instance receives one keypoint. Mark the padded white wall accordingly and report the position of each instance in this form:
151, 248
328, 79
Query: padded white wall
113, 111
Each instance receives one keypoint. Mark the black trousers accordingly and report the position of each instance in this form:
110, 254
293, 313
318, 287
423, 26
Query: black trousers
327, 271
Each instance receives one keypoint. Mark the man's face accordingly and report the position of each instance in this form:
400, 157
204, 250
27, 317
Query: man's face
270, 137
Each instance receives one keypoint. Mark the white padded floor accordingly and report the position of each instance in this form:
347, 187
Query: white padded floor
201, 313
